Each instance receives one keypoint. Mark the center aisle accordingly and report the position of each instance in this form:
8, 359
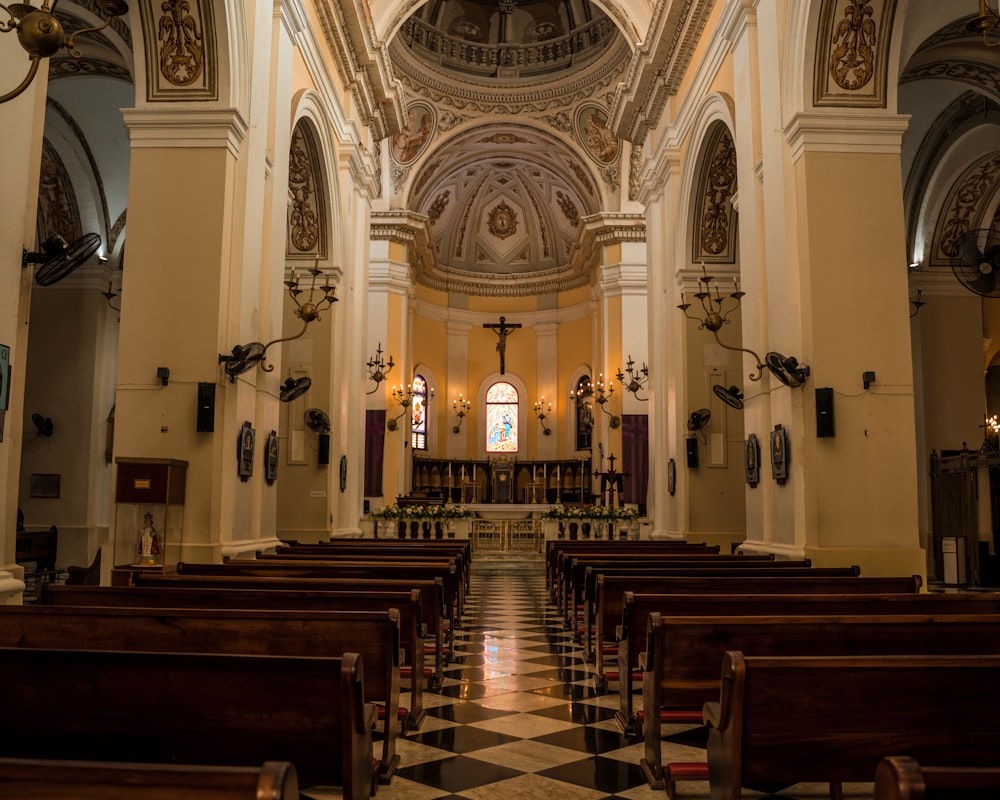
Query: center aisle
518, 717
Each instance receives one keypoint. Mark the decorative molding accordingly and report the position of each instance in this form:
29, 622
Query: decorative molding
306, 231
968, 111
982, 76
658, 66
846, 132
58, 209
714, 217
188, 127
965, 206
179, 38
852, 53
87, 67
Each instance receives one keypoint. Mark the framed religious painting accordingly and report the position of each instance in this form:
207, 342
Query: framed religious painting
271, 458
751, 460
779, 455
244, 451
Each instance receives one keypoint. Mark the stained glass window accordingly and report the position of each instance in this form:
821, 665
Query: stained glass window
418, 414
501, 418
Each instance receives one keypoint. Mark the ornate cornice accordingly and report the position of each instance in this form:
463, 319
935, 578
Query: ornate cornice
658, 66
536, 98
983, 76
843, 131
88, 67
169, 126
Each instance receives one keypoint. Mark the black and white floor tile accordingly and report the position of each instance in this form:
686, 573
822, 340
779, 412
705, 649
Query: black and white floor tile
517, 716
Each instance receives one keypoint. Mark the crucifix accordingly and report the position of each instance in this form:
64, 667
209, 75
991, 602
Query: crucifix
610, 481
501, 331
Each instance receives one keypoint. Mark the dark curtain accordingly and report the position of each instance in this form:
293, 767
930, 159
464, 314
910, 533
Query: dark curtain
635, 457
374, 441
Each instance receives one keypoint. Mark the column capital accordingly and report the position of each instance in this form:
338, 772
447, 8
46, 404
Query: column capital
185, 127
846, 131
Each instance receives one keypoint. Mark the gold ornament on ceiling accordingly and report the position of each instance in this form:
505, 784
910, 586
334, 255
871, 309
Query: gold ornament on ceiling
503, 221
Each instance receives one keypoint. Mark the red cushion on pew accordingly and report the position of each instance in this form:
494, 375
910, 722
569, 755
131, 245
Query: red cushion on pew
687, 771
401, 712
613, 675
609, 649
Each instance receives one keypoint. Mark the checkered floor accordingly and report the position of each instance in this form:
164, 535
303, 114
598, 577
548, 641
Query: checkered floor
518, 718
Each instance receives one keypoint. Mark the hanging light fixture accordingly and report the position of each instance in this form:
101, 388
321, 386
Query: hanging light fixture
42, 35
636, 378
986, 23
246, 356
714, 315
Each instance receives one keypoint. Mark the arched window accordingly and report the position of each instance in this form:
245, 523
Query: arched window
584, 397
501, 418
418, 414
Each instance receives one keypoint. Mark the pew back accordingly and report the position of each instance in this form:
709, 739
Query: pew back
50, 779
788, 719
191, 708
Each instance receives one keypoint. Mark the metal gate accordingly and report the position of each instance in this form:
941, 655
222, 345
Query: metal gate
507, 535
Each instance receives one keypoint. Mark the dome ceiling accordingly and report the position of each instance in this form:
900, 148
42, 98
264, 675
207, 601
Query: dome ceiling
505, 208
505, 199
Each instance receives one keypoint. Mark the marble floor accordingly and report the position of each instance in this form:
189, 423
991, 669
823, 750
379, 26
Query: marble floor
517, 716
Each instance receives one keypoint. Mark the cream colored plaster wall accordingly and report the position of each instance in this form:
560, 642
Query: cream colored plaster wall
950, 355
431, 349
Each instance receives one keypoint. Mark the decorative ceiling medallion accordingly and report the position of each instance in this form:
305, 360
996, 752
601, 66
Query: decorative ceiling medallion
179, 37
411, 141
593, 131
503, 221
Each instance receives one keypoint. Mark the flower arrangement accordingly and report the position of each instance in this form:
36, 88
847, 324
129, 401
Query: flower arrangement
415, 511
603, 513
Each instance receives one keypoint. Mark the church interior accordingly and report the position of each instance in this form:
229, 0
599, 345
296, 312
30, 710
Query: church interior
303, 271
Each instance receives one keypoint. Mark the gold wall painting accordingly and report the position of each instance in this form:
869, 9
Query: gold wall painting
179, 37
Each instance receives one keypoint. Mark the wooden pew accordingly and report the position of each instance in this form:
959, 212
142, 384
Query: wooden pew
373, 635
460, 548
38, 548
366, 570
588, 589
432, 601
46, 779
555, 550
680, 665
623, 603
902, 778
406, 602
410, 559
191, 708
786, 719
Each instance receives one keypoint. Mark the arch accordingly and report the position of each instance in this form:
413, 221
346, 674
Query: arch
716, 109
308, 107
433, 421
582, 373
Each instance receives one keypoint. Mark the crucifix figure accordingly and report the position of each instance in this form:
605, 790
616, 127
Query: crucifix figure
501, 331
611, 481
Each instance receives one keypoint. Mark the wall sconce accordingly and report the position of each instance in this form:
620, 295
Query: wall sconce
595, 392
584, 401
110, 296
404, 397
917, 304
785, 368
988, 20
378, 369
541, 411
42, 35
636, 378
246, 357
461, 408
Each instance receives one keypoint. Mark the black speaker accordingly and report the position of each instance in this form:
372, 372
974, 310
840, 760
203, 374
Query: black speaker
324, 449
824, 412
692, 452
206, 408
